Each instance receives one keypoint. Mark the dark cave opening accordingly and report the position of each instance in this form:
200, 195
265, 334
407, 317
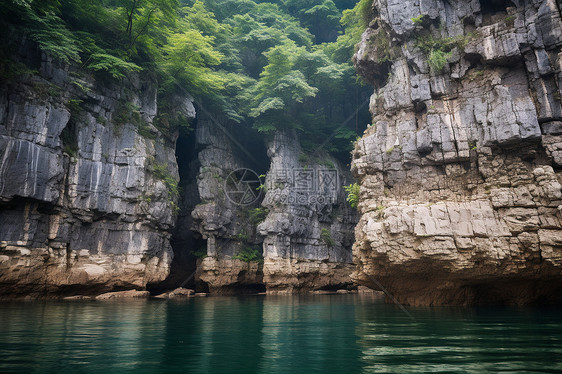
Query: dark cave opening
188, 245
494, 10
185, 243
495, 6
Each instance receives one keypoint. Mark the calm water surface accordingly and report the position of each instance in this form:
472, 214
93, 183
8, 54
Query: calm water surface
267, 334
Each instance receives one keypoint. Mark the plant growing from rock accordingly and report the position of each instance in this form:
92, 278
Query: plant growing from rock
249, 254
352, 194
437, 60
160, 171
326, 236
418, 20
257, 215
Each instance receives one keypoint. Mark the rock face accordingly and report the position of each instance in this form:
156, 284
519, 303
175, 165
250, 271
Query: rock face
224, 225
268, 242
460, 173
308, 230
85, 199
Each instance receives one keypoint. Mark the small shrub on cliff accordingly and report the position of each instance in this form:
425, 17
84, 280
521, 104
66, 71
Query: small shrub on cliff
326, 236
249, 254
418, 20
381, 44
352, 194
257, 215
112, 65
201, 254
437, 60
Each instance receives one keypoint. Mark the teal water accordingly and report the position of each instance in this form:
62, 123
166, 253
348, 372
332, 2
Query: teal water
267, 334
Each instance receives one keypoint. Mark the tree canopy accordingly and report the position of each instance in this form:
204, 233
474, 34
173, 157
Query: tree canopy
262, 64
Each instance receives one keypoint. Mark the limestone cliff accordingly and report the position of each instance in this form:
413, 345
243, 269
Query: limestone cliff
223, 224
290, 245
308, 230
460, 171
89, 184
86, 183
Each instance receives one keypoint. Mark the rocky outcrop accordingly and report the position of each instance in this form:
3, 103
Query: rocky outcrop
223, 223
86, 184
284, 240
460, 172
308, 230
130, 294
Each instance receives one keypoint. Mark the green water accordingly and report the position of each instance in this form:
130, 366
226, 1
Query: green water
265, 334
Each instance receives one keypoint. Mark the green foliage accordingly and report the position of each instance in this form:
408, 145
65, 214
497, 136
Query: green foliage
241, 237
126, 112
352, 194
257, 215
249, 254
114, 66
52, 36
189, 57
438, 49
437, 60
201, 254
74, 105
380, 42
70, 150
326, 236
329, 164
268, 65
418, 20
354, 21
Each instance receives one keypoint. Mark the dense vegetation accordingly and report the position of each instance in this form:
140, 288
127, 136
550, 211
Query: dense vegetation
261, 64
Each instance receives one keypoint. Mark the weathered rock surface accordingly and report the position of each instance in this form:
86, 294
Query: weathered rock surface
225, 275
77, 298
179, 292
224, 225
308, 230
84, 204
299, 245
461, 171
130, 294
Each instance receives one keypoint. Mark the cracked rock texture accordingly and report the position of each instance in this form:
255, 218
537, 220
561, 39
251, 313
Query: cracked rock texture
223, 225
308, 232
460, 172
303, 244
83, 202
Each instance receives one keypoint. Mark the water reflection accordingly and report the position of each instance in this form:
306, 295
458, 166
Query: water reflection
473, 340
273, 334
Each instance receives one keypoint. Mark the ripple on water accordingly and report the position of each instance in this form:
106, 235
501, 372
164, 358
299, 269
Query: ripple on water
292, 334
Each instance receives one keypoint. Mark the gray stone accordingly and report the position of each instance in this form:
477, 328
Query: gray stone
98, 218
477, 205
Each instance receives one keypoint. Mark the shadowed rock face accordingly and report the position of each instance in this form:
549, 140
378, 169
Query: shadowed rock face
460, 172
308, 232
305, 236
83, 201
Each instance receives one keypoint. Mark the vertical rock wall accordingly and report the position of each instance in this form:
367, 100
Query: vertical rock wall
301, 245
84, 201
460, 172
223, 224
308, 231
